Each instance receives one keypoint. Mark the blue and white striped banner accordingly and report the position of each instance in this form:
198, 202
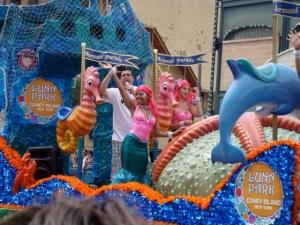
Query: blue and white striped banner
286, 9
179, 60
112, 58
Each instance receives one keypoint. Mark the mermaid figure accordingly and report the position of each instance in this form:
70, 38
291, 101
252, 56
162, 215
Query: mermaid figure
134, 151
189, 105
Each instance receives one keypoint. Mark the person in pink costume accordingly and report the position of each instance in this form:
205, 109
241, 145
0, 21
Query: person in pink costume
134, 151
189, 105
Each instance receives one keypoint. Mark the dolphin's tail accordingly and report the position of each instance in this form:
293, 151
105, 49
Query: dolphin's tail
227, 154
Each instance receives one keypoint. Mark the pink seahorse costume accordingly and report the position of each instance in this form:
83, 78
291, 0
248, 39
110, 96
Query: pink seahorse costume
166, 100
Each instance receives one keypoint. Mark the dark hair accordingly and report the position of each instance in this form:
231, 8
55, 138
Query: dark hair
76, 212
123, 68
23, 216
297, 27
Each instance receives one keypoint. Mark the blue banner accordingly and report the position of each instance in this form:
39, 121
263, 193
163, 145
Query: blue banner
286, 9
179, 60
112, 58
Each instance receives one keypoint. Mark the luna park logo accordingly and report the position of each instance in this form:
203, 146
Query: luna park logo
27, 59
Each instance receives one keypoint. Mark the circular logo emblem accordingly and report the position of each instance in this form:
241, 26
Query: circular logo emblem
27, 59
40, 100
258, 194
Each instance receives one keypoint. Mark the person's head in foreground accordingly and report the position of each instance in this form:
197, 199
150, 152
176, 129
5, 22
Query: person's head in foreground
76, 212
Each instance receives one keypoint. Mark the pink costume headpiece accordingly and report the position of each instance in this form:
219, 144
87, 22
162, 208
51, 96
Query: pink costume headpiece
145, 88
179, 84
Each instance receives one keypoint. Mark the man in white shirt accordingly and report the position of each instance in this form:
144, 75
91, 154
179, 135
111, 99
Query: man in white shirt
121, 115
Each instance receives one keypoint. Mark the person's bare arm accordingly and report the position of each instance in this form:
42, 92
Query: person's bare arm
295, 41
297, 61
105, 82
196, 106
124, 93
157, 132
175, 126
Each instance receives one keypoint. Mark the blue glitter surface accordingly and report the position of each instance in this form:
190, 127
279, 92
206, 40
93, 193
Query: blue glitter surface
180, 211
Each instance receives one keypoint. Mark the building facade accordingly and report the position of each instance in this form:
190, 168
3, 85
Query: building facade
184, 27
246, 32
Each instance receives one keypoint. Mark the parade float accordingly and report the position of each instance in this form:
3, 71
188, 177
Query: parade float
193, 182
40, 61
189, 189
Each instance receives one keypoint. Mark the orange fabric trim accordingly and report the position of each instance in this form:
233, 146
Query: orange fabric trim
152, 195
162, 223
14, 207
10, 154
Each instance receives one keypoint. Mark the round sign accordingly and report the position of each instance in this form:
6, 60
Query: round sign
258, 193
40, 100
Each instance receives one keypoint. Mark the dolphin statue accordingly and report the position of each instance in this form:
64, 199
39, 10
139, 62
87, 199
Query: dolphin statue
275, 84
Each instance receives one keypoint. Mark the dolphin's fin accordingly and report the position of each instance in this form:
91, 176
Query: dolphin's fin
283, 108
234, 67
228, 154
266, 73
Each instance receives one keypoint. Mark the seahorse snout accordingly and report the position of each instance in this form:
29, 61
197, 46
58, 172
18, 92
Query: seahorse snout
97, 97
173, 101
98, 100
